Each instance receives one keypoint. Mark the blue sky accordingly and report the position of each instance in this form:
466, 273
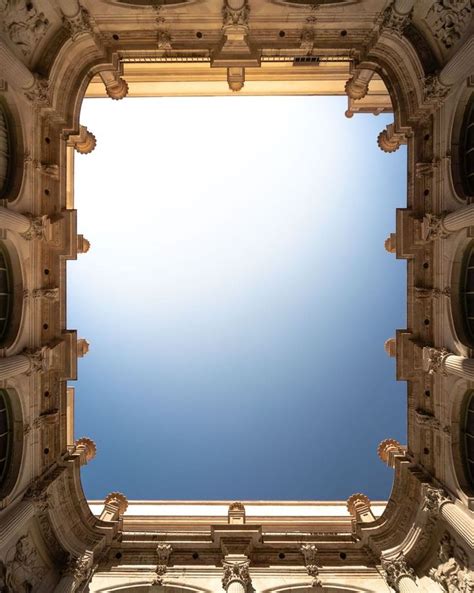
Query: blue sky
237, 296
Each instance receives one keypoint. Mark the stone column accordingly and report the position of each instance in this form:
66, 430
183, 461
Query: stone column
388, 450
399, 575
115, 87
76, 572
11, 366
28, 226
389, 140
236, 573
445, 363
358, 506
438, 502
86, 448
14, 519
358, 85
438, 227
14, 70
115, 505
460, 65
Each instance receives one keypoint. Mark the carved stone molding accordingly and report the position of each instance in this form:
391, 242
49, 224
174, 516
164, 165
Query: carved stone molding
163, 552
452, 572
434, 498
395, 22
236, 571
24, 24
310, 552
448, 19
48, 294
78, 24
422, 293
163, 40
432, 227
396, 569
90, 448
433, 360
423, 418
80, 568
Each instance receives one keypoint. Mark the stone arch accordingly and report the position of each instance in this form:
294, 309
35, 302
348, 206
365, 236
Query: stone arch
12, 301
14, 461
456, 313
459, 396
330, 587
141, 586
464, 108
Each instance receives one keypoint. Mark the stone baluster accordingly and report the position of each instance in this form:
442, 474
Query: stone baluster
399, 575
460, 65
388, 450
236, 573
438, 502
14, 519
439, 227
115, 505
358, 506
357, 86
11, 366
389, 140
76, 572
443, 362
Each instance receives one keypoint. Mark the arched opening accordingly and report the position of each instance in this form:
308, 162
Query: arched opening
463, 147
11, 304
467, 437
11, 440
11, 172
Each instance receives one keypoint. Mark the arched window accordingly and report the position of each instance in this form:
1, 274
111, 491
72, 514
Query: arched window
5, 292
467, 293
6, 434
466, 149
468, 437
4, 150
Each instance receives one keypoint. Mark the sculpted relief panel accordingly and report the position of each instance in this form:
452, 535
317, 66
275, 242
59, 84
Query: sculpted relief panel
23, 23
448, 20
23, 569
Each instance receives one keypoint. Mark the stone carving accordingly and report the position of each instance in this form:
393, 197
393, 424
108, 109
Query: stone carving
452, 572
395, 22
80, 568
236, 571
39, 93
39, 360
434, 499
24, 571
422, 293
89, 446
448, 19
424, 418
425, 169
310, 552
23, 24
308, 39
119, 500
232, 16
396, 569
36, 230
79, 24
163, 552
433, 360
163, 40
434, 90
48, 294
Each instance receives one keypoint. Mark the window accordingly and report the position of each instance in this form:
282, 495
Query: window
5, 291
466, 148
467, 293
4, 151
6, 433
468, 437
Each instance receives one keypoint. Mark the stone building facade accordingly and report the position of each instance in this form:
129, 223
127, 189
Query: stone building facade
415, 58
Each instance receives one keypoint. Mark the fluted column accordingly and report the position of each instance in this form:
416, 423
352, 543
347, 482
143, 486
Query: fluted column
437, 501
14, 519
236, 573
358, 506
28, 226
439, 227
11, 366
399, 575
76, 572
444, 363
358, 85
14, 70
460, 65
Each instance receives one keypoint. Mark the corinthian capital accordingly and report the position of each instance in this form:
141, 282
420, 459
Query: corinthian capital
395, 570
80, 567
433, 227
434, 359
236, 571
36, 229
434, 499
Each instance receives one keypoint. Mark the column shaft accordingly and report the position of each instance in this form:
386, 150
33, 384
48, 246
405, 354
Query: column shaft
460, 219
70, 8
460, 366
236, 587
460, 65
13, 520
460, 521
407, 585
14, 221
66, 585
14, 70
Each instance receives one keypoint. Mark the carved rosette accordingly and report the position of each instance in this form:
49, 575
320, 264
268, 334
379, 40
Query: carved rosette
163, 552
388, 142
396, 569
236, 571
310, 552
434, 359
357, 502
89, 447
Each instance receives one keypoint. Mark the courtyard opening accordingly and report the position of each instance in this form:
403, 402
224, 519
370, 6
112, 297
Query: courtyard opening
237, 297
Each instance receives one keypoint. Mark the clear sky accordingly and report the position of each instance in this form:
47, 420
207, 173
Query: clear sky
237, 296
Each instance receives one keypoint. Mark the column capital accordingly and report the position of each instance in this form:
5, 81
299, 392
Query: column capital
163, 552
397, 16
434, 90
434, 498
118, 500
79, 23
236, 571
310, 553
432, 227
39, 360
36, 229
80, 567
87, 448
396, 569
388, 449
434, 360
